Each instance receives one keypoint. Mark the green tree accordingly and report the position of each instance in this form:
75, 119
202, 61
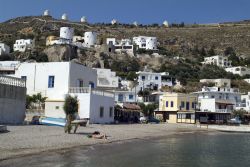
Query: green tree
70, 108
148, 110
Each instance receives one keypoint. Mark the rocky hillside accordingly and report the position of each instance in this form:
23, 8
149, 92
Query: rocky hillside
190, 43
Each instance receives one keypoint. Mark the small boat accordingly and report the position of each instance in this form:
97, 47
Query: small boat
53, 121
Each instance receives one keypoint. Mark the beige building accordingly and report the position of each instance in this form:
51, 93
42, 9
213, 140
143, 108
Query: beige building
177, 108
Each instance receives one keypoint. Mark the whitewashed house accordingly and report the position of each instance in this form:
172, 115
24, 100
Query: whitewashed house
240, 70
8, 67
144, 42
125, 45
218, 60
4, 49
23, 45
56, 79
123, 96
217, 103
106, 79
150, 80
245, 103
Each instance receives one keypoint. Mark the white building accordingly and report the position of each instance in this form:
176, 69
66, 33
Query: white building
245, 103
125, 45
150, 80
64, 16
67, 33
90, 39
12, 100
83, 19
4, 49
122, 96
56, 79
46, 13
143, 42
135, 23
165, 23
218, 60
106, 78
218, 82
23, 45
8, 67
240, 70
114, 21
218, 100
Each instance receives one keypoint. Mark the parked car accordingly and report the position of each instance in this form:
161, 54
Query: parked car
143, 119
235, 121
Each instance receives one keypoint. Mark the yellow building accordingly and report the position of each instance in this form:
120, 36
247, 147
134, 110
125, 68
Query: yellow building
177, 108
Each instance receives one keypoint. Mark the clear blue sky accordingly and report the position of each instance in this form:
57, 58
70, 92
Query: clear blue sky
127, 11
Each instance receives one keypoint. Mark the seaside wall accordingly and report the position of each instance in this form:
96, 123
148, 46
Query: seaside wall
12, 103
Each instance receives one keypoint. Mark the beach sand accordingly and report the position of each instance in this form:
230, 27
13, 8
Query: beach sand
26, 140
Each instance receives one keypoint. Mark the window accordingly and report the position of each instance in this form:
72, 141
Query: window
172, 104
51, 82
131, 97
120, 97
193, 105
101, 112
80, 83
167, 116
92, 84
187, 105
166, 103
57, 107
111, 112
24, 78
143, 78
156, 78
182, 104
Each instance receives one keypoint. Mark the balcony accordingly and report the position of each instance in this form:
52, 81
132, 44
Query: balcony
91, 91
223, 110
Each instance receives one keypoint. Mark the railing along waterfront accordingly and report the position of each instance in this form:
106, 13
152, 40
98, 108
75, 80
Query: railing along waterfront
99, 92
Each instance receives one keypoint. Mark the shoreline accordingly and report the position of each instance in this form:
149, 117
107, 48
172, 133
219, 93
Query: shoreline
28, 140
86, 146
23, 141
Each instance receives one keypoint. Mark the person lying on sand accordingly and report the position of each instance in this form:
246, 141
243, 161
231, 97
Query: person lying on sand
97, 135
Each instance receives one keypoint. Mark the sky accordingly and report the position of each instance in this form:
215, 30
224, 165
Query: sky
128, 11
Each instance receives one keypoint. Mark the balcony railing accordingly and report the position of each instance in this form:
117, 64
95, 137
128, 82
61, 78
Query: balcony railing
91, 90
79, 90
12, 81
223, 110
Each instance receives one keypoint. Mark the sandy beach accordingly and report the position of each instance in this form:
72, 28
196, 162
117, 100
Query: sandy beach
26, 140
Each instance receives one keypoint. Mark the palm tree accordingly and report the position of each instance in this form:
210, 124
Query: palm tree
70, 107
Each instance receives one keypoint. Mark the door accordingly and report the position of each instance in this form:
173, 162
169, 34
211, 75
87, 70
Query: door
187, 106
